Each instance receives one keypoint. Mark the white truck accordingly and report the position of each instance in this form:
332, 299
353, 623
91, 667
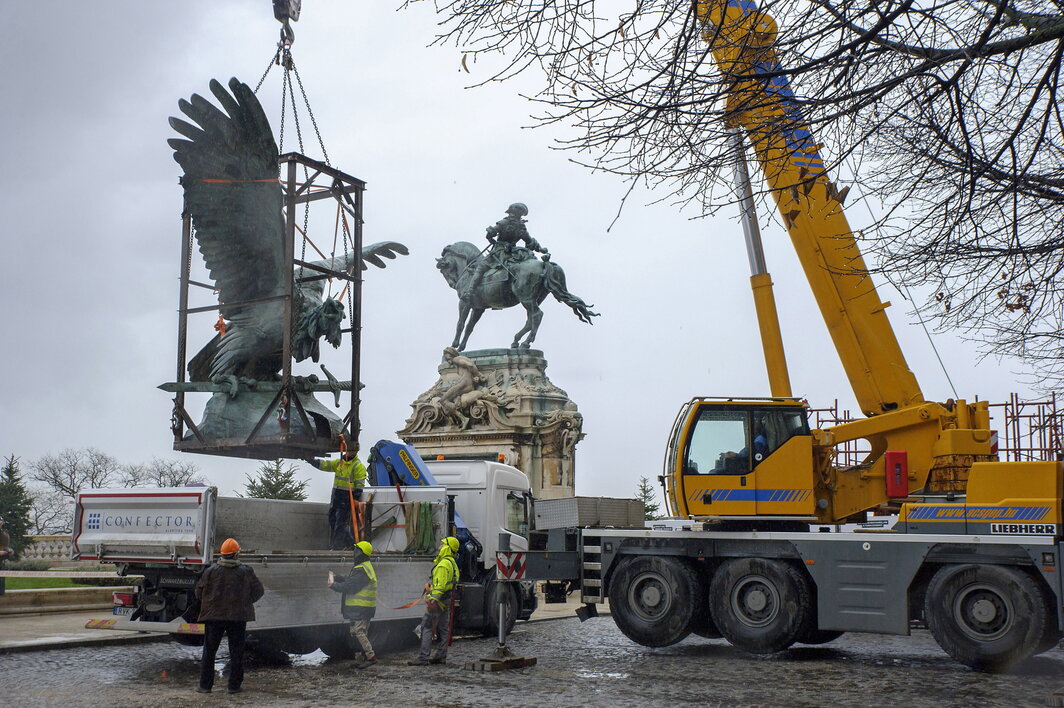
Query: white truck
168, 536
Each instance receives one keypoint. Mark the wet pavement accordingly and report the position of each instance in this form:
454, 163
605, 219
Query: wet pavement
589, 664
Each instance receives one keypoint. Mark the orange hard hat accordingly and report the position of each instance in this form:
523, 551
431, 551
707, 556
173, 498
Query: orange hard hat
229, 546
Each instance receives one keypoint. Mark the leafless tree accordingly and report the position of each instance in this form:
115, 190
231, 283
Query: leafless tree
944, 113
50, 512
74, 469
161, 473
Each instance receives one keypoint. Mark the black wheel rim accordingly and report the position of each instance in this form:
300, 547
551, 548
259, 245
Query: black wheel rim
755, 601
982, 612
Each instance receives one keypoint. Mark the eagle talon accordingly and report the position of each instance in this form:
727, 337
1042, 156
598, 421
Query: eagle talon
229, 383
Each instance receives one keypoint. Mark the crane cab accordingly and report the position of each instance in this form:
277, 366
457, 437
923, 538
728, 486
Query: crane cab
741, 458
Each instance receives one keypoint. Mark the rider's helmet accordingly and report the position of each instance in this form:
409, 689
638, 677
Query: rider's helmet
517, 209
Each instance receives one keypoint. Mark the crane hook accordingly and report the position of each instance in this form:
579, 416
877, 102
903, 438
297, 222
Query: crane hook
286, 12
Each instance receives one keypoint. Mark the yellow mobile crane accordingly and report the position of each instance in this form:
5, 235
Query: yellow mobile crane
975, 553
758, 459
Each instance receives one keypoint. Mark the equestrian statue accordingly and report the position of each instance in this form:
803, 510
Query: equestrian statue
505, 274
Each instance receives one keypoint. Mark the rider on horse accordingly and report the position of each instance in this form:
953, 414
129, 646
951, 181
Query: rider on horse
504, 237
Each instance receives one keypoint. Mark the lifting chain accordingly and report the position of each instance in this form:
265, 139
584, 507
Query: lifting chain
191, 245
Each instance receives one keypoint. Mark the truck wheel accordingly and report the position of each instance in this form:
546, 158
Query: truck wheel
495, 593
654, 600
986, 616
761, 606
1052, 635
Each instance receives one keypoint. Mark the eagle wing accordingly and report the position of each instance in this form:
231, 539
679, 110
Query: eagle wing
388, 249
233, 194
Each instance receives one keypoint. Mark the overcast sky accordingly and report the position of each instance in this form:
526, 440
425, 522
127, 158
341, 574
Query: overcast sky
91, 229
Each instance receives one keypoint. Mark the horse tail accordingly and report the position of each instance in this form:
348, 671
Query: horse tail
554, 279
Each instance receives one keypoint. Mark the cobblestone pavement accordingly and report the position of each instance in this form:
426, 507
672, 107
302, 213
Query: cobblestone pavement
590, 664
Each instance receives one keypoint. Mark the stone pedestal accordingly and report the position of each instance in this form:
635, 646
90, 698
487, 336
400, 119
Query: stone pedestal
492, 402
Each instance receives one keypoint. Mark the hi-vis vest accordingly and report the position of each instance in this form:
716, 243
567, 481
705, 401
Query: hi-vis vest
346, 474
444, 578
367, 596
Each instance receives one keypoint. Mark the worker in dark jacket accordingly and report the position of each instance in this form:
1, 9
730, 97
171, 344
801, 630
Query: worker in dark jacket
359, 590
436, 622
226, 592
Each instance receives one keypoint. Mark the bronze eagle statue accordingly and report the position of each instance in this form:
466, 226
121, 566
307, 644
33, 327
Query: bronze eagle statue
232, 192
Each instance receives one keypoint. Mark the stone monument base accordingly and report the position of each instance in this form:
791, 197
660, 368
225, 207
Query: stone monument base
498, 404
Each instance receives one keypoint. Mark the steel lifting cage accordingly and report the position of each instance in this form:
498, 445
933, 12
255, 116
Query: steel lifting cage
320, 182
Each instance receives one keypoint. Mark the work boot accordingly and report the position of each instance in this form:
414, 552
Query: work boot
367, 663
201, 689
437, 660
235, 690
418, 662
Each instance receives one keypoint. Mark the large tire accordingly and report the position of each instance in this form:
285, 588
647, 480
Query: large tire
761, 605
1051, 636
1049, 640
654, 601
987, 616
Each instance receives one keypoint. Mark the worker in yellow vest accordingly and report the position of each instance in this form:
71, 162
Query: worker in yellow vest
349, 476
436, 622
359, 590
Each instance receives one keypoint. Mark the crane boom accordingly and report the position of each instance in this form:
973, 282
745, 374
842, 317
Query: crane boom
762, 102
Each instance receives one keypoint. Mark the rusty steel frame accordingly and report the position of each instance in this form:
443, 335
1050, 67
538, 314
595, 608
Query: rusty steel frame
348, 192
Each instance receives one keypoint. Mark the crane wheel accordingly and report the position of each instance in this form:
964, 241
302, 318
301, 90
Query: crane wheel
654, 600
987, 616
761, 605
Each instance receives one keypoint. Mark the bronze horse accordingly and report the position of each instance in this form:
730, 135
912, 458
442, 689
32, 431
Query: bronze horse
521, 281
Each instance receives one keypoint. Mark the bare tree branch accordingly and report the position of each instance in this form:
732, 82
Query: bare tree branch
945, 114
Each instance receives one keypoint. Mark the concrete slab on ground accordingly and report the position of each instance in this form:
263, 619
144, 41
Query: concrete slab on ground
51, 630
30, 632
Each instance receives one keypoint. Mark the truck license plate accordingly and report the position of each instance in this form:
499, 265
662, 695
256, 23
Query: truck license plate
123, 611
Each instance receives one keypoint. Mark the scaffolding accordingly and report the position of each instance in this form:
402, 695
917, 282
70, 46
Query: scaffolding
1026, 431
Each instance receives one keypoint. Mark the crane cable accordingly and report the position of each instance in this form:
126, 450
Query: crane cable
904, 290
282, 57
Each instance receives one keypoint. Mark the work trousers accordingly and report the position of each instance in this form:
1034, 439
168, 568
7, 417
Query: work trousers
360, 631
212, 637
435, 631
341, 538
